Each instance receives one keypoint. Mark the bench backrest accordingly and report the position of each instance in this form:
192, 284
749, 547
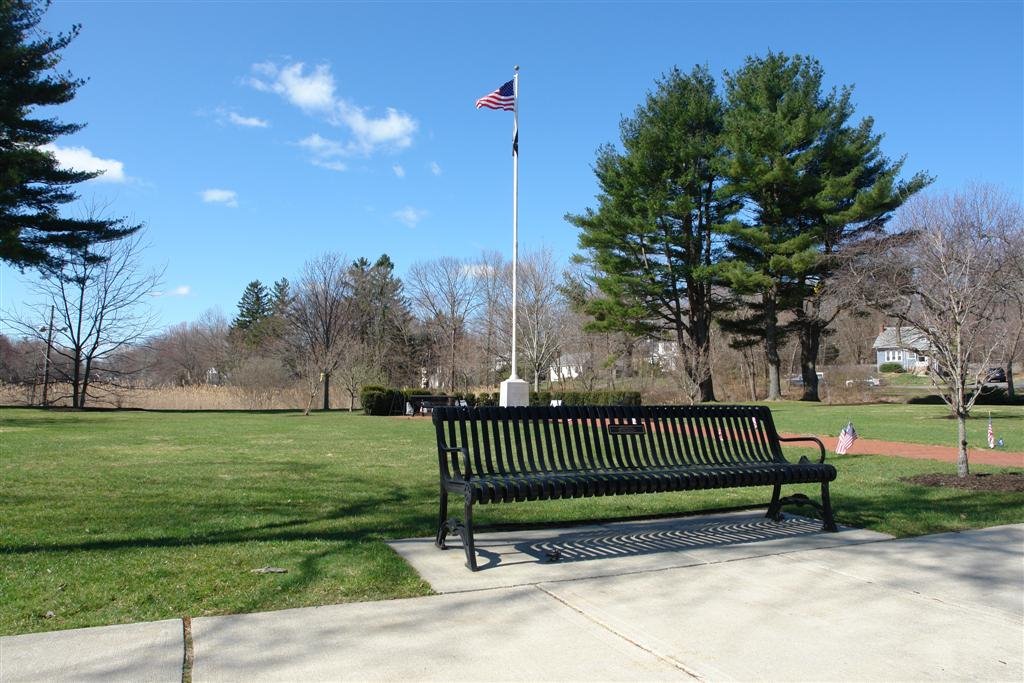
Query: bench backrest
533, 440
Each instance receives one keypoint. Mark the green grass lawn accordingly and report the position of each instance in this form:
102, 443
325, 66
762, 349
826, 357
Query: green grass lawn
114, 517
926, 424
905, 379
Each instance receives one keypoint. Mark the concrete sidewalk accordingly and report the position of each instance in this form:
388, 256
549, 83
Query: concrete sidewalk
684, 602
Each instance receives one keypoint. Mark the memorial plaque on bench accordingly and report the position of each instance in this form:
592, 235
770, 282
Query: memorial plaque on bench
620, 430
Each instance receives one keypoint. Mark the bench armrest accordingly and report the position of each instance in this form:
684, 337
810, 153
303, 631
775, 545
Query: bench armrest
815, 439
467, 471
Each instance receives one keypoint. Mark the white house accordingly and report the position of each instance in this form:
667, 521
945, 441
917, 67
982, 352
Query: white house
568, 366
907, 346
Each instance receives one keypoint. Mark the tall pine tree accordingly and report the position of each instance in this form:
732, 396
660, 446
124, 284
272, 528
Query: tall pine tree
254, 309
651, 239
33, 186
811, 184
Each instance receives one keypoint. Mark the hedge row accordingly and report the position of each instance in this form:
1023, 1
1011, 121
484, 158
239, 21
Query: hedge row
378, 400
891, 366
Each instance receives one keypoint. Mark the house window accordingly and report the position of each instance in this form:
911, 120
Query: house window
893, 355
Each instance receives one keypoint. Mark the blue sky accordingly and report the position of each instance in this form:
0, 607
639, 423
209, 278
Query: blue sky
250, 137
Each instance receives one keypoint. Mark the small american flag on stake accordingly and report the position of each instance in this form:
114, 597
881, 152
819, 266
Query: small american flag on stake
991, 434
502, 98
846, 439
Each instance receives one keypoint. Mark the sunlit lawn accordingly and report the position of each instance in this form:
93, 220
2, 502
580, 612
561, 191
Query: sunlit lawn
926, 424
113, 517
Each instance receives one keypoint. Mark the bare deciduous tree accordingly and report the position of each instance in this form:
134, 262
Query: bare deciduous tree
358, 367
541, 313
446, 293
1012, 244
101, 308
320, 320
185, 353
492, 324
946, 275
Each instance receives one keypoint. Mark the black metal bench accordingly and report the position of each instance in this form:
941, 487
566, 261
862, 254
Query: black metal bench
503, 455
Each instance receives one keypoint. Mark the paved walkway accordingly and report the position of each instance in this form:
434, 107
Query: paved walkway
978, 456
718, 598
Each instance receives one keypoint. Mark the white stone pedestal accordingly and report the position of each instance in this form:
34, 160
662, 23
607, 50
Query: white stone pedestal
515, 392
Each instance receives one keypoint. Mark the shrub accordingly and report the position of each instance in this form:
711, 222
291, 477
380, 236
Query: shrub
488, 399
382, 401
592, 398
891, 367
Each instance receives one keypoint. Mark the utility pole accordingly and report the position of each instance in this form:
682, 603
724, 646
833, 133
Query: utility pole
46, 361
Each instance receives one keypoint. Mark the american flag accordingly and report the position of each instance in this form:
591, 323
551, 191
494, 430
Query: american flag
846, 439
991, 434
502, 98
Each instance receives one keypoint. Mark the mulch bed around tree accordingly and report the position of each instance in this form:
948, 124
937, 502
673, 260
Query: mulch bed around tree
1007, 481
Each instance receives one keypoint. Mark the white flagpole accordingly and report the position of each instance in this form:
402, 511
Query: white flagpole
514, 391
515, 213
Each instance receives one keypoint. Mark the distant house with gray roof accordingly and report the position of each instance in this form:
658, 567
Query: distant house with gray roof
907, 346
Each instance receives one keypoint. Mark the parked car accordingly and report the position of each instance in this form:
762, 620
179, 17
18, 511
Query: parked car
798, 380
995, 375
868, 382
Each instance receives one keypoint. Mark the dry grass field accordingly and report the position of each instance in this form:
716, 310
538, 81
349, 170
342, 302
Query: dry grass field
169, 397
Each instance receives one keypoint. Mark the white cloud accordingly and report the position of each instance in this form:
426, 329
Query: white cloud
247, 121
314, 93
225, 197
399, 171
410, 216
477, 269
330, 165
321, 146
395, 130
435, 168
310, 92
81, 159
183, 290
325, 152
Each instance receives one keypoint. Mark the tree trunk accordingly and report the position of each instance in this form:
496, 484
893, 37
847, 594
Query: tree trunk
309, 403
451, 380
961, 431
751, 374
771, 349
810, 340
76, 375
85, 383
327, 391
1009, 380
700, 324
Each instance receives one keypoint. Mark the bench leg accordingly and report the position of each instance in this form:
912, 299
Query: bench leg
775, 507
829, 523
466, 532
799, 499
442, 520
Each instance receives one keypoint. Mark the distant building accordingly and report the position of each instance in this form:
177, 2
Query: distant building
663, 354
568, 366
907, 346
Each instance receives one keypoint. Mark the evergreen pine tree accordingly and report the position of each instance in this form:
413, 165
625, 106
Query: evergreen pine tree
811, 184
33, 186
254, 308
651, 238
281, 297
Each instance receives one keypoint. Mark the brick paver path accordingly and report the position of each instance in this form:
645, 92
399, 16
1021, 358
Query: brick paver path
977, 456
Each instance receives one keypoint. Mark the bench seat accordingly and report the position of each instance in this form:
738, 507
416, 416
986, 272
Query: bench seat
494, 455
506, 489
